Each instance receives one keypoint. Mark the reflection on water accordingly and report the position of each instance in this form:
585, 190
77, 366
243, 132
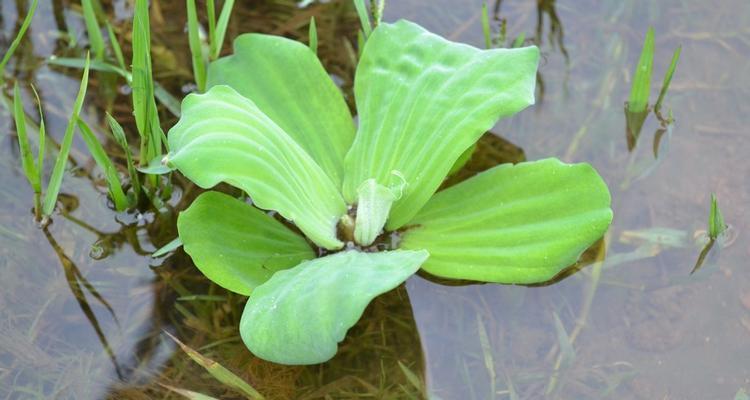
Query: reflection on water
82, 305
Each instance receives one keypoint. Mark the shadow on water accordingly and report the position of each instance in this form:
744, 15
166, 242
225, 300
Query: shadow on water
83, 304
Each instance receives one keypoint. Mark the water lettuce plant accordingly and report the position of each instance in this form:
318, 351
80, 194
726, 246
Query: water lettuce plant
342, 213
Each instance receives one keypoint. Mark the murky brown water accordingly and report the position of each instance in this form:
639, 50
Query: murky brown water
642, 327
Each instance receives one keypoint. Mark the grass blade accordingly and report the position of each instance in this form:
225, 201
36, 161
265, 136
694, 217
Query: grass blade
144, 105
639, 91
102, 160
17, 40
716, 225
53, 187
196, 49
216, 370
211, 14
116, 49
486, 26
221, 29
169, 247
313, 35
364, 19
668, 78
41, 145
96, 40
27, 159
121, 139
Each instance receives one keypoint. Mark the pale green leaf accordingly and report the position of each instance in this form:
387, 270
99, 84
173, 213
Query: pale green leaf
224, 137
716, 224
55, 180
373, 204
422, 102
301, 314
287, 82
641, 86
173, 245
520, 223
236, 245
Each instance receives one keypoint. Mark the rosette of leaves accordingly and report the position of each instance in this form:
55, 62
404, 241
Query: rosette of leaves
274, 125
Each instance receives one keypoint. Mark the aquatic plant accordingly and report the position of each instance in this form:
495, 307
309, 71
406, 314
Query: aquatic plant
274, 125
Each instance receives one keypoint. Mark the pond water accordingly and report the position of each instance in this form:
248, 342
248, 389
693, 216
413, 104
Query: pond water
83, 306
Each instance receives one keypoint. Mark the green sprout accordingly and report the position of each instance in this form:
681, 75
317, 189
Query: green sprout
363, 198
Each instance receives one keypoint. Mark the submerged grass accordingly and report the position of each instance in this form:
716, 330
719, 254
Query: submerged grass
17, 40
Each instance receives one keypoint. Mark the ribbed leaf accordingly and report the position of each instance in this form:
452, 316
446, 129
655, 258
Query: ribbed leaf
300, 314
422, 101
287, 82
236, 245
520, 223
224, 137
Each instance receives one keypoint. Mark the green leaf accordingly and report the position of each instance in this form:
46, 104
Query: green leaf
236, 245
116, 49
520, 223
668, 78
300, 314
224, 137
144, 105
96, 40
716, 225
27, 158
221, 28
422, 102
641, 87
313, 36
196, 48
173, 245
119, 134
106, 165
288, 84
55, 180
486, 26
364, 18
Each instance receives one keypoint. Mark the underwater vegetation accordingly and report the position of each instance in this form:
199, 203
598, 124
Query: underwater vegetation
365, 196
